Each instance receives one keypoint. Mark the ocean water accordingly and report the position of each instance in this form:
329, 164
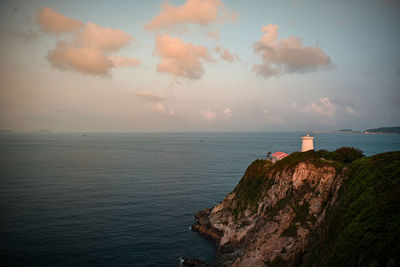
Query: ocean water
128, 199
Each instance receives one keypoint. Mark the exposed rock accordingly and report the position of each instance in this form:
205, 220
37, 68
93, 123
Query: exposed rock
269, 217
189, 262
203, 226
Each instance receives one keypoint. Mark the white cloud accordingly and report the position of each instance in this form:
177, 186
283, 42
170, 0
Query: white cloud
351, 111
322, 106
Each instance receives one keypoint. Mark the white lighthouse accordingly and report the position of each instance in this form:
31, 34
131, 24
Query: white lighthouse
307, 143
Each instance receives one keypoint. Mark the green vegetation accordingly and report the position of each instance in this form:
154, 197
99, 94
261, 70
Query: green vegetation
272, 212
290, 162
384, 130
250, 187
255, 181
343, 154
364, 227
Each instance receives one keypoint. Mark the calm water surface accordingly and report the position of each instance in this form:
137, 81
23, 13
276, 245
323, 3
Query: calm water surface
128, 199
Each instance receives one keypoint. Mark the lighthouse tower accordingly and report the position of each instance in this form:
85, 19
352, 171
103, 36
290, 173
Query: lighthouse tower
307, 143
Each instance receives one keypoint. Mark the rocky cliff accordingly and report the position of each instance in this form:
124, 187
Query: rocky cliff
312, 209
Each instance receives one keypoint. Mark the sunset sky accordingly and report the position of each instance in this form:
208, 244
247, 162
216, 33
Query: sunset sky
199, 65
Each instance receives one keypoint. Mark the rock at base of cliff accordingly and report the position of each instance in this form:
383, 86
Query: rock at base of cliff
189, 262
204, 228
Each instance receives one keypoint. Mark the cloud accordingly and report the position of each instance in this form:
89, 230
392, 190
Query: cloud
104, 38
201, 12
119, 61
322, 106
26, 36
87, 60
149, 97
51, 21
288, 55
213, 35
225, 54
209, 114
272, 116
179, 58
351, 111
162, 109
88, 48
227, 113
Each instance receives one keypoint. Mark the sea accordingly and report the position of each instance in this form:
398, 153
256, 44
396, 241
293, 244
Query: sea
128, 199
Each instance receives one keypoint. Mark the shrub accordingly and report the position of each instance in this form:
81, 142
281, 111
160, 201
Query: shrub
343, 154
347, 154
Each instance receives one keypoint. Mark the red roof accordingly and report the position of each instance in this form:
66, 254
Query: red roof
280, 154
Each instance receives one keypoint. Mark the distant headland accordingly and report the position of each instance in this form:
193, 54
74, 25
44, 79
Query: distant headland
381, 130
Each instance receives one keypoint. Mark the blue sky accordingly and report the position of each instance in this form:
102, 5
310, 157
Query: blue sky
344, 73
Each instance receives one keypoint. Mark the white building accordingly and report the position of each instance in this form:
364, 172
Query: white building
307, 143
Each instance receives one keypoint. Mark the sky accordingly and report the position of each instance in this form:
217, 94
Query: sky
199, 65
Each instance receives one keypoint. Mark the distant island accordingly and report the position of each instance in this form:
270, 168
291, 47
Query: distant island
41, 131
349, 131
381, 130
6, 131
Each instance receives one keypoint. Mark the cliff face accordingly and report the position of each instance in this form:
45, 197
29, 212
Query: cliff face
282, 214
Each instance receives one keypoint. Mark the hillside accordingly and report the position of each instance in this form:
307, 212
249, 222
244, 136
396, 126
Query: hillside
388, 130
309, 209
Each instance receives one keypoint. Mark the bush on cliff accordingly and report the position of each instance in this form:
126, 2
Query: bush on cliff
363, 228
343, 154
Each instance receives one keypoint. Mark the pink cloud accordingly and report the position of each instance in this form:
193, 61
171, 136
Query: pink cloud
103, 38
209, 114
89, 48
225, 54
87, 60
53, 22
149, 97
163, 110
201, 12
227, 113
213, 35
288, 55
179, 58
120, 61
